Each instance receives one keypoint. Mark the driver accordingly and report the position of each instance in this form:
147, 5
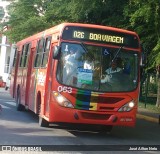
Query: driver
113, 69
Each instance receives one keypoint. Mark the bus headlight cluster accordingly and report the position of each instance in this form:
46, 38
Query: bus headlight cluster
62, 101
127, 107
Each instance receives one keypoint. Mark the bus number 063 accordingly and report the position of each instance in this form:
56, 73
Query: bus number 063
64, 89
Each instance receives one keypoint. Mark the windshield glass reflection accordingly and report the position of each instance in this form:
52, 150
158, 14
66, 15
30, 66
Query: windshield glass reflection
97, 68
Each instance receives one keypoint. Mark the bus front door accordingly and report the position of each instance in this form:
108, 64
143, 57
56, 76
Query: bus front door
28, 82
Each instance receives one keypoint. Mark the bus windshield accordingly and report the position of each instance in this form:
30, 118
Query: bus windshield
97, 68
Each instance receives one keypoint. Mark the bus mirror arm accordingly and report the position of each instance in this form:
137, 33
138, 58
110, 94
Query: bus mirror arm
142, 72
56, 52
143, 58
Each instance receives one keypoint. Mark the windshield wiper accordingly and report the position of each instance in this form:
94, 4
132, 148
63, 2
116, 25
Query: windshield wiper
86, 51
116, 54
83, 46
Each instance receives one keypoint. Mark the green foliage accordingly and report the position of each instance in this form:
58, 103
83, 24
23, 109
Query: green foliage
155, 55
47, 13
149, 105
86, 11
1, 12
153, 87
143, 16
26, 18
31, 26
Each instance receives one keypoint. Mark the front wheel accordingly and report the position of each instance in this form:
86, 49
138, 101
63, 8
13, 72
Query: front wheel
42, 121
106, 129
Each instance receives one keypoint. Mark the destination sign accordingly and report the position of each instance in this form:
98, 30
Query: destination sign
100, 36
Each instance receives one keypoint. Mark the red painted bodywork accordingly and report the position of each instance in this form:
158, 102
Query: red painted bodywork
26, 80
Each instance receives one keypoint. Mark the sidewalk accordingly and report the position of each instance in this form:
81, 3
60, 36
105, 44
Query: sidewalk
148, 115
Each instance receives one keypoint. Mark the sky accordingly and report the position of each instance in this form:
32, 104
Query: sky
4, 4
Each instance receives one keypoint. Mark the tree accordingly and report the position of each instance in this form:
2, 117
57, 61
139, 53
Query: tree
2, 13
31, 16
145, 19
26, 18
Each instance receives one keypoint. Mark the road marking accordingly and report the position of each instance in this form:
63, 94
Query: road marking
11, 103
148, 118
6, 100
4, 105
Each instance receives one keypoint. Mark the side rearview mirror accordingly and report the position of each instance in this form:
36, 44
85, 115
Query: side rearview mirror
56, 52
9, 77
143, 57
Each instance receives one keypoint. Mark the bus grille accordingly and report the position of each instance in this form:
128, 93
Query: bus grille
95, 116
98, 99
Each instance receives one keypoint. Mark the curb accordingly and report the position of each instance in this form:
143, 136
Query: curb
148, 118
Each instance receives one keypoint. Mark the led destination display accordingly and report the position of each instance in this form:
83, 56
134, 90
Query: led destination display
100, 36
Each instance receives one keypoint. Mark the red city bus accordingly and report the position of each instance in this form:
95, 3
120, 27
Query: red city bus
79, 73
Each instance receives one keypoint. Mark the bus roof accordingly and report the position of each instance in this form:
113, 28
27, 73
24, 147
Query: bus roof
98, 27
59, 28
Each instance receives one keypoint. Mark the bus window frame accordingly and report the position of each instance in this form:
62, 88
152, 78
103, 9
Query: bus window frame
15, 57
27, 49
21, 58
24, 55
46, 51
43, 52
38, 53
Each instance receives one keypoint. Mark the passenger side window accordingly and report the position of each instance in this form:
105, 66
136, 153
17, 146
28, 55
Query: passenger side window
15, 58
39, 54
21, 60
24, 55
46, 52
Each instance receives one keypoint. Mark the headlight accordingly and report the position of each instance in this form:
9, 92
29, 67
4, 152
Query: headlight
127, 107
62, 101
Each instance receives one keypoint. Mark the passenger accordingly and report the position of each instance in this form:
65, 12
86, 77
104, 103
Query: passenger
70, 60
88, 63
71, 63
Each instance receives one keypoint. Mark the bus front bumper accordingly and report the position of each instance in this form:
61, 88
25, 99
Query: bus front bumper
70, 115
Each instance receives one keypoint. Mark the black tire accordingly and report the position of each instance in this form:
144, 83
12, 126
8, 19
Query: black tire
6, 88
42, 121
106, 129
19, 106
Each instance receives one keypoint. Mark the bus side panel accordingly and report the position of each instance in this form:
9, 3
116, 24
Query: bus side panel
40, 88
32, 90
48, 82
44, 83
37, 89
28, 82
25, 79
23, 85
